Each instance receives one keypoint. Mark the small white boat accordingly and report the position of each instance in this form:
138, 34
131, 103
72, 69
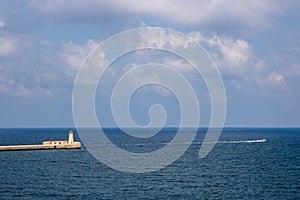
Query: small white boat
262, 140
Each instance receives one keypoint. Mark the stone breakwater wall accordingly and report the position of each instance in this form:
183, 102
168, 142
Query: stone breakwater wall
74, 145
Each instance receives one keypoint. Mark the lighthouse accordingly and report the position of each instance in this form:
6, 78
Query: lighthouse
71, 137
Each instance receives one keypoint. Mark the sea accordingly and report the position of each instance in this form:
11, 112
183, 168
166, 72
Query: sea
240, 166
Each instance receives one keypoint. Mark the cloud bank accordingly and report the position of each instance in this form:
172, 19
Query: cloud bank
189, 13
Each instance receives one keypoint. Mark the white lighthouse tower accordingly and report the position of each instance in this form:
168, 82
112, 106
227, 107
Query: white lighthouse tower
71, 137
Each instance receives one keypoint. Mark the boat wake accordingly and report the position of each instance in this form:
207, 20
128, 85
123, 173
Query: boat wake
178, 143
244, 141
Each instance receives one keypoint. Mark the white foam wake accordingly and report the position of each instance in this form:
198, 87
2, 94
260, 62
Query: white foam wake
194, 142
178, 143
244, 141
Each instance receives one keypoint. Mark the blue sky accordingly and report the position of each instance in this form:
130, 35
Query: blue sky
255, 45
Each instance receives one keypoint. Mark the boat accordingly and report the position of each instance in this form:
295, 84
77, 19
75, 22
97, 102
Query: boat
262, 140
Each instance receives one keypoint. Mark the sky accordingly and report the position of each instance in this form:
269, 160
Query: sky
254, 43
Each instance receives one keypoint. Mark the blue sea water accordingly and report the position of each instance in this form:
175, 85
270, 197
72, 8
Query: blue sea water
239, 167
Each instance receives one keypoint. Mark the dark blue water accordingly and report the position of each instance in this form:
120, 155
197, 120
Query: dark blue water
234, 169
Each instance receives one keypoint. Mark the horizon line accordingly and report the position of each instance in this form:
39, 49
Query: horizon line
109, 127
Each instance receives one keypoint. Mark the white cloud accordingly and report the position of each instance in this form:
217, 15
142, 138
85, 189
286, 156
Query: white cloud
22, 91
178, 64
74, 54
233, 56
235, 52
277, 80
9, 85
243, 69
35, 69
253, 13
7, 46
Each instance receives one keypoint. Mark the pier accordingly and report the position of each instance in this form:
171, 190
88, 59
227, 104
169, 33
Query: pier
46, 145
